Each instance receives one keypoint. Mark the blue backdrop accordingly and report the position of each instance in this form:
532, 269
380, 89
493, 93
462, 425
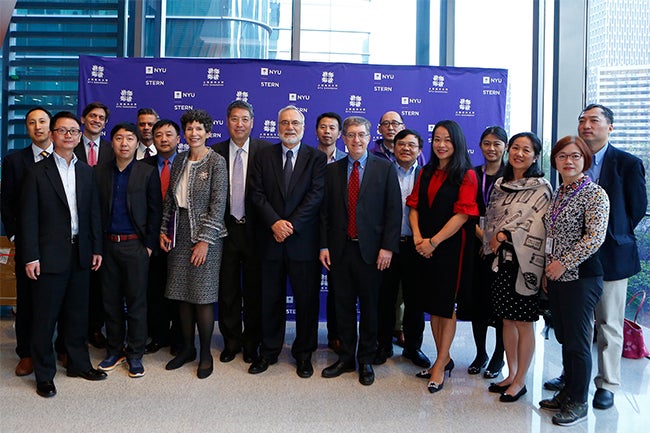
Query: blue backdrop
423, 95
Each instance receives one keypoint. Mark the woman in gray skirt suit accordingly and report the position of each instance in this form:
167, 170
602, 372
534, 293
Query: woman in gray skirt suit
192, 232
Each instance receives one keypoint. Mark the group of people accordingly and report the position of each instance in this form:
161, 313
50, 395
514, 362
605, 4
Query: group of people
157, 237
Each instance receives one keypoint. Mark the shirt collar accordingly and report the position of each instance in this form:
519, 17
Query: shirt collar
597, 157
60, 161
37, 150
285, 149
234, 147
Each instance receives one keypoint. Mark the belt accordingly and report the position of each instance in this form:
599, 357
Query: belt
405, 238
352, 239
121, 238
238, 221
74, 239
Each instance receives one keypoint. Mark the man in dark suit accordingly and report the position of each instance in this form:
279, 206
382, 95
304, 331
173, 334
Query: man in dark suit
360, 231
408, 147
622, 176
160, 310
287, 187
131, 203
94, 150
239, 289
14, 168
61, 238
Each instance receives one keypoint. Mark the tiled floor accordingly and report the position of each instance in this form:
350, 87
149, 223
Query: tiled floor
231, 400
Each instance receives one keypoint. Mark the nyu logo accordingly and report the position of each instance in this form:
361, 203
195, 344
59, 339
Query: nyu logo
406, 100
295, 97
151, 70
179, 94
267, 71
492, 80
379, 76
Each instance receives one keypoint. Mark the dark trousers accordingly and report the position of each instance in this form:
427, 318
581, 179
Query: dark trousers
62, 295
240, 292
330, 311
24, 316
304, 278
162, 327
572, 306
400, 272
124, 274
354, 279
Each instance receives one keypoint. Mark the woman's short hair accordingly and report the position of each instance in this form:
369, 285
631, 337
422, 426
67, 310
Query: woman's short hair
579, 142
200, 116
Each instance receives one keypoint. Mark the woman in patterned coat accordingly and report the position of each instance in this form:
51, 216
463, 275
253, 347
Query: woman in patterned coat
576, 224
192, 231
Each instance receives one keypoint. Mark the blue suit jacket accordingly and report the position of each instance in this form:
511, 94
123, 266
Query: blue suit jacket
623, 178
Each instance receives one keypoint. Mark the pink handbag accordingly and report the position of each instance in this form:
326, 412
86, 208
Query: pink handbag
633, 343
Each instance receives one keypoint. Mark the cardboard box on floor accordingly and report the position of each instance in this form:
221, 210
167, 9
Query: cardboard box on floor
7, 272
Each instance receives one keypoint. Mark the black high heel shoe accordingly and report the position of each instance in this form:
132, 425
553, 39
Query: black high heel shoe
434, 387
493, 371
426, 374
477, 365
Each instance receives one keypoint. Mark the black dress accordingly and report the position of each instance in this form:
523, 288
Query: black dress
446, 277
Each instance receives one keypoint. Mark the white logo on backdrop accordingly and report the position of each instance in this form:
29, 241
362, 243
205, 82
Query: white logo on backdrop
97, 71
126, 95
241, 95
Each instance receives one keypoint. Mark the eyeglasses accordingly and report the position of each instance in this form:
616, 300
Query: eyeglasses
294, 123
63, 131
563, 156
393, 123
360, 135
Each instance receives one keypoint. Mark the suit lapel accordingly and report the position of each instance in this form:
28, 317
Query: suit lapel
277, 168
299, 167
55, 179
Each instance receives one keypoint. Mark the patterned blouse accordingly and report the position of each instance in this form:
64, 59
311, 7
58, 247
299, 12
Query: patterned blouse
577, 223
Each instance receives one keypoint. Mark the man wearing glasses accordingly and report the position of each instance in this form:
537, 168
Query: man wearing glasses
61, 236
389, 125
287, 188
360, 231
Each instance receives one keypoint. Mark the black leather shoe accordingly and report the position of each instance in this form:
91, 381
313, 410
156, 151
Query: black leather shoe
417, 357
507, 398
97, 339
46, 389
181, 359
304, 368
366, 374
91, 374
382, 355
228, 355
556, 384
337, 369
260, 365
603, 399
154, 346
498, 389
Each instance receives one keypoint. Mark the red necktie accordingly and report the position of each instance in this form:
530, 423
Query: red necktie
92, 154
353, 195
164, 178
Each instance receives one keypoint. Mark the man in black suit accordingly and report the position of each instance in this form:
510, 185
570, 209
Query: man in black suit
14, 168
360, 231
239, 289
160, 310
407, 149
287, 187
131, 203
61, 238
94, 117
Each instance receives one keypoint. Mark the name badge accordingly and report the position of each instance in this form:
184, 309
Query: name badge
549, 246
481, 223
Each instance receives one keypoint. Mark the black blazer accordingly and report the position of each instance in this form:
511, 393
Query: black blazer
300, 206
106, 153
14, 167
45, 228
143, 199
223, 149
379, 209
623, 178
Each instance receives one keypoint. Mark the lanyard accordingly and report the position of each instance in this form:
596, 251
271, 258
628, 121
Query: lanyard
559, 207
486, 194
